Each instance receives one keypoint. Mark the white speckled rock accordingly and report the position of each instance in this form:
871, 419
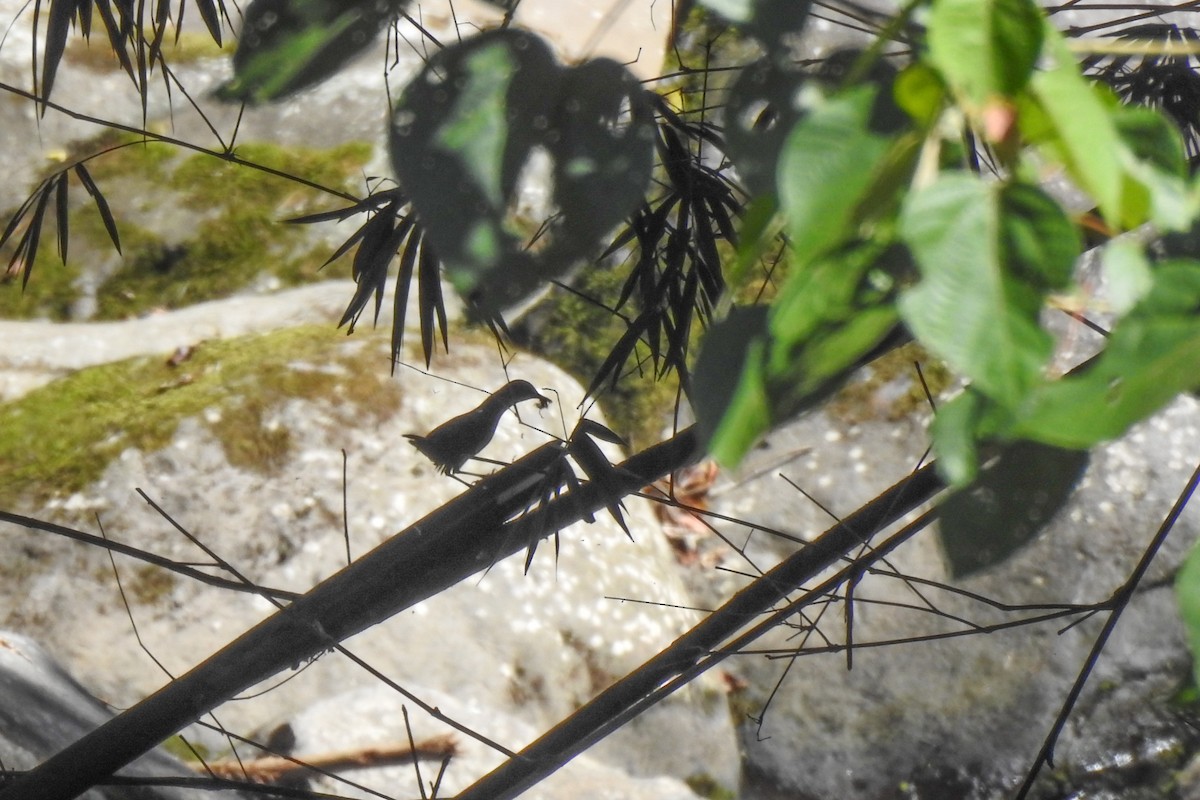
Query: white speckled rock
374, 717
964, 717
531, 646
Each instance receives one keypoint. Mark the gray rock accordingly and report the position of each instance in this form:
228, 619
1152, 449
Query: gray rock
965, 716
38, 352
531, 646
375, 717
633, 33
43, 709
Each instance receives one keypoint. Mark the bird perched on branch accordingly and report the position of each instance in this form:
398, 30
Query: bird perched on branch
452, 443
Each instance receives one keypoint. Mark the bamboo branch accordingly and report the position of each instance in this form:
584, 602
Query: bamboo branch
272, 769
695, 651
450, 544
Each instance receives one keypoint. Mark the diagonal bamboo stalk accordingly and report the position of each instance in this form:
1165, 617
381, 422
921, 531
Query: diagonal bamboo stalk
450, 544
694, 652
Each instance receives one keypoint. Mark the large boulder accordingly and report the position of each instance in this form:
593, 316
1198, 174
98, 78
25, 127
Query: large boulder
947, 695
43, 709
250, 461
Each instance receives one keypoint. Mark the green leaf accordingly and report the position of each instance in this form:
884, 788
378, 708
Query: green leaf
1008, 505
1174, 203
729, 384
955, 438
760, 227
828, 163
1154, 157
1176, 290
1152, 138
1069, 117
288, 45
1187, 593
969, 307
985, 48
828, 357
826, 317
1127, 274
1041, 244
919, 90
1153, 354
476, 129
759, 368
468, 126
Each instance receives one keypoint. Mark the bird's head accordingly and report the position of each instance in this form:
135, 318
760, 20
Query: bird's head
516, 391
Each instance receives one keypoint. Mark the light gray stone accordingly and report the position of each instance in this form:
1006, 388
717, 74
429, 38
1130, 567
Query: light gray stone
43, 709
531, 646
966, 715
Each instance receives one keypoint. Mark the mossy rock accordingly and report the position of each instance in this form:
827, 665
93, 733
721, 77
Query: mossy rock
61, 437
890, 388
51, 296
193, 227
178, 48
575, 330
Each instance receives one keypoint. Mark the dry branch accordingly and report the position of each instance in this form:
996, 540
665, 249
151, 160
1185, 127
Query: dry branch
272, 769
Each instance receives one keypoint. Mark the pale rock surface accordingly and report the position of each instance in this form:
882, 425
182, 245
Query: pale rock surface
533, 646
964, 717
353, 107
42, 709
36, 353
374, 716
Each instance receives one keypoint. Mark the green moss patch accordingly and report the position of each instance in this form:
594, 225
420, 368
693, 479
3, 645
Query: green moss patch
577, 335
49, 296
859, 400
150, 584
707, 786
177, 48
237, 233
57, 439
193, 227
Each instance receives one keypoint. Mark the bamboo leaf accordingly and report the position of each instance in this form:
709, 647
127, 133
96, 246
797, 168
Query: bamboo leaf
61, 214
429, 298
20, 214
110, 224
27, 248
62, 12
408, 259
211, 16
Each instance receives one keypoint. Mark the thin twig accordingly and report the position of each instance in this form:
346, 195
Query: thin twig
1121, 599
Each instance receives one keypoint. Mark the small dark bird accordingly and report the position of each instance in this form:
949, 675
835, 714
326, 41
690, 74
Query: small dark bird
452, 443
